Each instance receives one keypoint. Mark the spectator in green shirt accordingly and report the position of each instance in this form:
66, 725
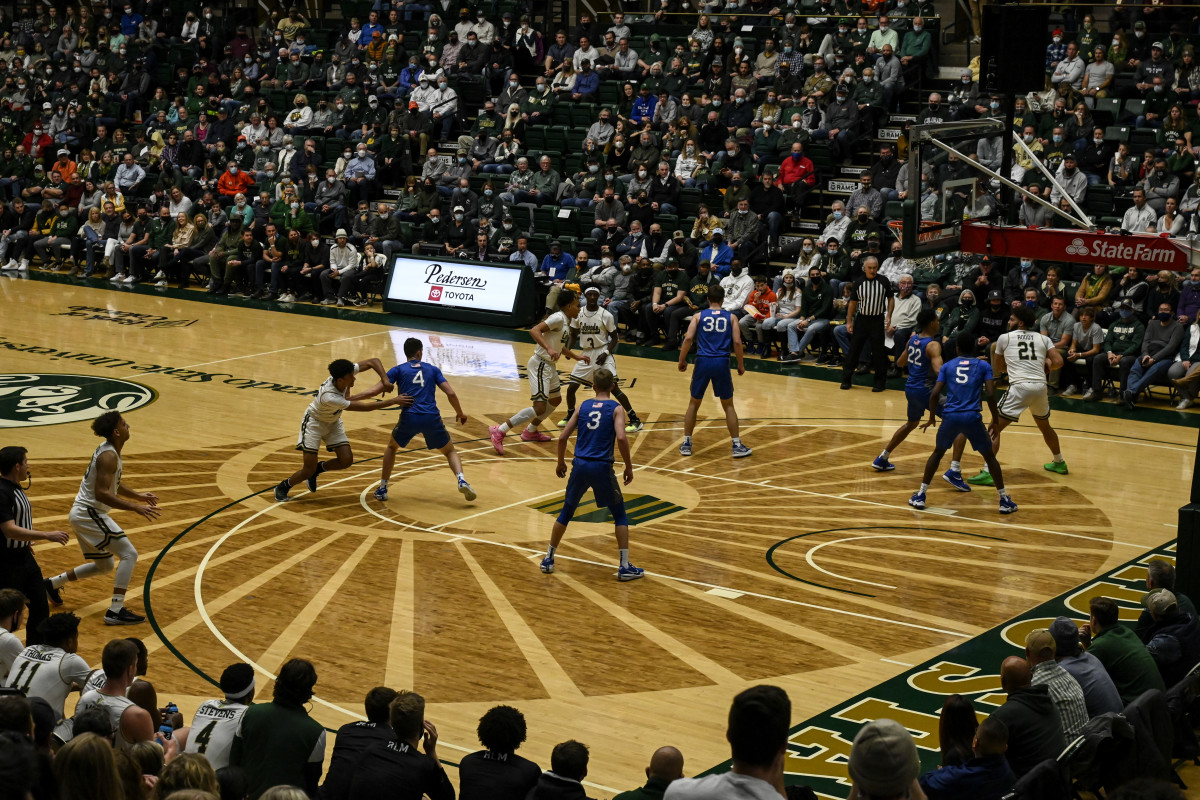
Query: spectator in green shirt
1118, 648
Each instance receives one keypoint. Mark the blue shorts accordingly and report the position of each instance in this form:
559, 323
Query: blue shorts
431, 426
712, 370
918, 403
969, 425
597, 476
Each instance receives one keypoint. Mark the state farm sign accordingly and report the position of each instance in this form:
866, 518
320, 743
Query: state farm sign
1145, 251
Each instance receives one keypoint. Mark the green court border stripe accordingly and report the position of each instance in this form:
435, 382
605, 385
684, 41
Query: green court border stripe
1163, 416
770, 556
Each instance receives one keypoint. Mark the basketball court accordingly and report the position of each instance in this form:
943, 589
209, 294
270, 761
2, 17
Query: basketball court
799, 566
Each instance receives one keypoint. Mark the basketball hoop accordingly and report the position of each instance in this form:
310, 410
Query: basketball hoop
929, 229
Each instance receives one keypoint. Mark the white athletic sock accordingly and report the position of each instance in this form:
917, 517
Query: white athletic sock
1002, 492
383, 483
956, 466
687, 440
505, 427
550, 551
118, 602
924, 487
736, 441
885, 454
1058, 458
624, 557
58, 581
460, 476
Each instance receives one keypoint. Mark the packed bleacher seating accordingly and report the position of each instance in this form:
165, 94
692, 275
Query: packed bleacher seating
289, 160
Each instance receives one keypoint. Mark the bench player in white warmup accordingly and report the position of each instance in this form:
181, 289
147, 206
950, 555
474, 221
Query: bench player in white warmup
217, 721
1025, 354
323, 421
52, 670
595, 331
553, 335
101, 539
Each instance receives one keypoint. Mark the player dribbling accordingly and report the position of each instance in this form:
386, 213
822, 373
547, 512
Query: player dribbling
601, 422
323, 421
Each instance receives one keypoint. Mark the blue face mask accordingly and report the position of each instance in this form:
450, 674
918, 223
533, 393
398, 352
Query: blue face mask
837, 215
1126, 313
1026, 265
1031, 303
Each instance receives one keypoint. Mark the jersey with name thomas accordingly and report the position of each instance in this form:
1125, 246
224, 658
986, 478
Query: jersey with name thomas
418, 380
596, 433
964, 378
1024, 355
714, 333
594, 328
557, 335
329, 402
920, 379
49, 673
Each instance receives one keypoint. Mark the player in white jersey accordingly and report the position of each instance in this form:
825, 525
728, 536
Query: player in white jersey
130, 722
1026, 355
553, 336
594, 331
101, 539
52, 670
12, 611
323, 421
216, 721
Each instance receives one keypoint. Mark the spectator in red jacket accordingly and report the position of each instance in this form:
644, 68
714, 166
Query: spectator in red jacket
233, 181
797, 174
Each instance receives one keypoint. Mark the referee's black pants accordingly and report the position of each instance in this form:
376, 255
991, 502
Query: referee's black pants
867, 328
19, 570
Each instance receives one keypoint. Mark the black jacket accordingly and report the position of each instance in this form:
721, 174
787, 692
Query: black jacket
1035, 732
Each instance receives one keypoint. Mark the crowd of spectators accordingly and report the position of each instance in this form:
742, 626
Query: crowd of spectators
648, 155
119, 744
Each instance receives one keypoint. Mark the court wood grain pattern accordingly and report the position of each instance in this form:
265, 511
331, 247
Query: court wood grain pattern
799, 566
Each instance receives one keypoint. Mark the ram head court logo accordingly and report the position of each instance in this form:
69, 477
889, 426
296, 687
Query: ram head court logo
49, 399
1077, 247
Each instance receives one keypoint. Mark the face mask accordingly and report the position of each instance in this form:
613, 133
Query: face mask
837, 215
1126, 313
329, 180
1057, 39
458, 217
233, 170
716, 103
1028, 137
1163, 316
606, 261
1057, 139
487, 192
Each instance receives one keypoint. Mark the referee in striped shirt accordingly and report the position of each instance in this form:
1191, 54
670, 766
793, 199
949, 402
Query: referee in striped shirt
868, 314
18, 568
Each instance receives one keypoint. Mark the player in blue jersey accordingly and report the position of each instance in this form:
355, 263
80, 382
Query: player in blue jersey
716, 333
923, 357
965, 380
420, 381
601, 423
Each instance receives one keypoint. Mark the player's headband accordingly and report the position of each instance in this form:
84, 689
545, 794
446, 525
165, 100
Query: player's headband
242, 693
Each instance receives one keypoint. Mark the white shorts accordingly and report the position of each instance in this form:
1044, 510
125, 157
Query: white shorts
1021, 396
544, 382
312, 433
582, 373
95, 531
